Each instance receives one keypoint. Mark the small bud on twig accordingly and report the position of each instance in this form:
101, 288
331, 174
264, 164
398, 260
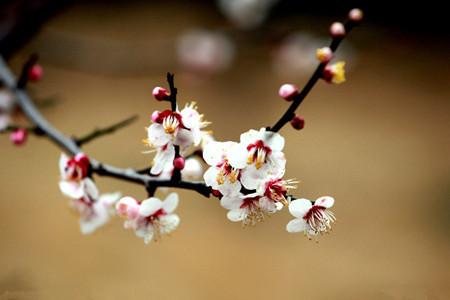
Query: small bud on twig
19, 136
155, 116
35, 73
298, 122
160, 93
356, 15
288, 91
178, 163
324, 55
337, 30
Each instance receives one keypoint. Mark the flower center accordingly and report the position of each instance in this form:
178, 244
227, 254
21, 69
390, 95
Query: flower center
227, 171
254, 213
319, 219
258, 153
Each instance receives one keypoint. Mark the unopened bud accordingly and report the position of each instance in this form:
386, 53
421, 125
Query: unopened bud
288, 91
155, 116
337, 30
35, 73
356, 15
324, 55
160, 93
178, 163
298, 122
19, 136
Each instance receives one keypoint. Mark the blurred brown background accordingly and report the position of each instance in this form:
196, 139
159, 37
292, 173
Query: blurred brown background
378, 143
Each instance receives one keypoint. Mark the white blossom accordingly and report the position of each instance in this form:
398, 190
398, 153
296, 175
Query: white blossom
312, 219
151, 218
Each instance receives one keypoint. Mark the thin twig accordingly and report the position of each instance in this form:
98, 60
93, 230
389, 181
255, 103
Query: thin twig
99, 132
297, 100
70, 146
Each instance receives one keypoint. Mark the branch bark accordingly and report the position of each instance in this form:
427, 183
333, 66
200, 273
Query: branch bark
71, 147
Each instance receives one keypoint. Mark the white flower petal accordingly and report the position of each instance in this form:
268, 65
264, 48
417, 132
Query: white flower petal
157, 136
213, 153
150, 206
231, 202
90, 189
236, 215
272, 139
99, 218
210, 177
251, 177
164, 155
169, 223
228, 188
184, 138
192, 169
299, 207
325, 201
5, 120
171, 203
237, 155
267, 205
108, 200
71, 189
63, 159
296, 225
249, 137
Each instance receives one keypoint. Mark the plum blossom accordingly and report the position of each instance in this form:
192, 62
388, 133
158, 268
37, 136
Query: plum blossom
226, 161
94, 212
312, 219
172, 128
275, 189
151, 218
248, 209
264, 157
74, 181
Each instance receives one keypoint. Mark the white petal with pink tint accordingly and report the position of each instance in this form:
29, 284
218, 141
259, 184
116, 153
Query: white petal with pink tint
157, 135
299, 207
296, 225
149, 207
171, 203
325, 201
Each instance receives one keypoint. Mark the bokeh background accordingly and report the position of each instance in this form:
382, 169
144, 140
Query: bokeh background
378, 143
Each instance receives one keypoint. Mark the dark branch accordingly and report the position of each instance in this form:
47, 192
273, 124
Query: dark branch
297, 100
71, 147
99, 132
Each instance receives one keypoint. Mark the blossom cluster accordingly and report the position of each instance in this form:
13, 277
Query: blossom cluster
94, 209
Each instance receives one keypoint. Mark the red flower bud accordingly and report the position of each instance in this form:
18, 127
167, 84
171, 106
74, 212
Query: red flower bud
298, 122
337, 30
178, 163
288, 91
35, 73
19, 136
160, 93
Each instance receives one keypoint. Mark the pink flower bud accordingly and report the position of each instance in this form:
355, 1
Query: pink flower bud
324, 55
178, 163
298, 122
337, 30
160, 93
35, 73
19, 136
356, 15
127, 207
155, 116
288, 91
